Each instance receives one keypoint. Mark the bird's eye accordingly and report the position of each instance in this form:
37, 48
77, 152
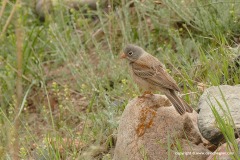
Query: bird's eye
130, 53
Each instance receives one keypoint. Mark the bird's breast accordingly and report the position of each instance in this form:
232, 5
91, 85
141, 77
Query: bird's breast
141, 82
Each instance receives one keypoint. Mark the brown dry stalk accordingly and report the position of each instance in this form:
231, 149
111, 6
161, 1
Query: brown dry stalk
9, 17
3, 8
14, 146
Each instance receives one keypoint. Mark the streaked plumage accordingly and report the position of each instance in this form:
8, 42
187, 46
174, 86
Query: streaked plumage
149, 73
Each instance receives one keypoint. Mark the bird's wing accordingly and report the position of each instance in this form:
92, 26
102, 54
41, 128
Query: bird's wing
154, 74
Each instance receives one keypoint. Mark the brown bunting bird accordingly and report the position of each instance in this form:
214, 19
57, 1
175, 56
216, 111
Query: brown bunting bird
149, 74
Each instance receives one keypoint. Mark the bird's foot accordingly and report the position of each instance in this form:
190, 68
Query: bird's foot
145, 93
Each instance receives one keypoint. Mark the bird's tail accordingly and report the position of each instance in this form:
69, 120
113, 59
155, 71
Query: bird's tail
180, 105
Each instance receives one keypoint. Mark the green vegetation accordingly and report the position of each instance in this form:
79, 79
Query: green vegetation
226, 125
74, 86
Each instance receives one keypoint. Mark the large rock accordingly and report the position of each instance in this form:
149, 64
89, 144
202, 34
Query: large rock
206, 120
151, 128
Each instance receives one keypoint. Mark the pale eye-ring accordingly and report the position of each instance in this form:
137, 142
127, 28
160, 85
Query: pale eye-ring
130, 53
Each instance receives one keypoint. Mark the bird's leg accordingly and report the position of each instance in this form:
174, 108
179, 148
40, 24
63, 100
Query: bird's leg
145, 93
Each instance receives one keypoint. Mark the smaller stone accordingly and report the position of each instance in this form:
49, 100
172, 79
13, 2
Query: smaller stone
42, 8
206, 120
224, 152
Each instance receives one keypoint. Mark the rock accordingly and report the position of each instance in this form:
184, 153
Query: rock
76, 4
151, 128
223, 152
206, 119
42, 8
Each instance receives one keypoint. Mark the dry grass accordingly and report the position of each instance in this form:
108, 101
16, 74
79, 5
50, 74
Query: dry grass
74, 87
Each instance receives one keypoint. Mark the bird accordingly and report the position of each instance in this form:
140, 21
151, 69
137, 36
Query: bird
150, 74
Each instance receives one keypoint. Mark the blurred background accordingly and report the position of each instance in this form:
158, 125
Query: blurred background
63, 86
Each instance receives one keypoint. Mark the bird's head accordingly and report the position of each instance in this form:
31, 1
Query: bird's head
132, 52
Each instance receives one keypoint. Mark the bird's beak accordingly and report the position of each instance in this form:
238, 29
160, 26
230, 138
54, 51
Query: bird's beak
123, 55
